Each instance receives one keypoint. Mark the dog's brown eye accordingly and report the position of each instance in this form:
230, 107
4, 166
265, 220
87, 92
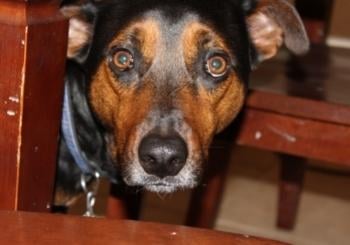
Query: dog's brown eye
123, 60
216, 66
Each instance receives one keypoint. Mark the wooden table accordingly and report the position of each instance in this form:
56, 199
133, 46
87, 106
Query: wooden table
34, 228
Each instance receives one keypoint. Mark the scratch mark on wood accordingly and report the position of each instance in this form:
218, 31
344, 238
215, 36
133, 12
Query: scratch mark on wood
283, 134
258, 135
11, 113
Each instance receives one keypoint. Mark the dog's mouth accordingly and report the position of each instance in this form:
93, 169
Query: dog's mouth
161, 187
187, 178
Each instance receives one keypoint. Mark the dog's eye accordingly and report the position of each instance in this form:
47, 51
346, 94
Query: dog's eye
216, 66
123, 60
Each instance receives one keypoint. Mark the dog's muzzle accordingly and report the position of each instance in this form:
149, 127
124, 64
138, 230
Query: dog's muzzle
162, 156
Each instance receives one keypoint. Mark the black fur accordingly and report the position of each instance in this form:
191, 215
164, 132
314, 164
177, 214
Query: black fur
90, 136
108, 17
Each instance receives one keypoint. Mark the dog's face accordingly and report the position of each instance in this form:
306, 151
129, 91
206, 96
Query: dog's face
164, 88
168, 75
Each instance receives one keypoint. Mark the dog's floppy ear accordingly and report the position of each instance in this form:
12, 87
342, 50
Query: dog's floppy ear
81, 22
272, 23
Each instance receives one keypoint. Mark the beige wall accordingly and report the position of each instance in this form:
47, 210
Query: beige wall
340, 25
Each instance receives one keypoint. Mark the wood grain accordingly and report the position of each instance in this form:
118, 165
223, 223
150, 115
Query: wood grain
296, 136
32, 47
32, 228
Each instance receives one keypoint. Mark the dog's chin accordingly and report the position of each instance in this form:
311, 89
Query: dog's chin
154, 184
161, 188
186, 179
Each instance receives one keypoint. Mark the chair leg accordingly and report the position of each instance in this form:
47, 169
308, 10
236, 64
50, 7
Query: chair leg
33, 39
123, 203
206, 198
290, 186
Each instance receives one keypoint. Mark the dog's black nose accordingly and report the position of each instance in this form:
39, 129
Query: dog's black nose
162, 155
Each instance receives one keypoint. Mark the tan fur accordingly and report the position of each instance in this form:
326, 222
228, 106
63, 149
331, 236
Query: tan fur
274, 22
266, 35
80, 31
146, 32
211, 110
123, 107
193, 36
62, 198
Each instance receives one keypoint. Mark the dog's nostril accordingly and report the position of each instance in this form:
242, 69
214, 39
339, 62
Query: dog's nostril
162, 155
175, 161
147, 159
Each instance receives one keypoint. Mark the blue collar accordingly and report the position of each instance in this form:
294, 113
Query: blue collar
70, 136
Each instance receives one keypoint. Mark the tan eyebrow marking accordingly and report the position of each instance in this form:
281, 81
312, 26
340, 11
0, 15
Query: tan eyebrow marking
196, 36
147, 34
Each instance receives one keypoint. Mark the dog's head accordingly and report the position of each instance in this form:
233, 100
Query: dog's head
167, 75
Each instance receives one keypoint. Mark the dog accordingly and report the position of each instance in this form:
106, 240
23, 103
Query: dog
152, 81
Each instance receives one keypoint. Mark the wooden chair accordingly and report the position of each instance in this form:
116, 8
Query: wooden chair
297, 107
32, 46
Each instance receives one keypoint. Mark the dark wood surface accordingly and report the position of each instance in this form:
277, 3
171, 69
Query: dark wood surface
323, 75
291, 181
206, 198
296, 136
299, 107
32, 47
10, 77
33, 228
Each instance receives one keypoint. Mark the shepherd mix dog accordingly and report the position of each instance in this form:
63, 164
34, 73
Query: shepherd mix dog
150, 82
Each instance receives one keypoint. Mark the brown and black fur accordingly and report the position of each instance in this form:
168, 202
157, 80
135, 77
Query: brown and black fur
168, 93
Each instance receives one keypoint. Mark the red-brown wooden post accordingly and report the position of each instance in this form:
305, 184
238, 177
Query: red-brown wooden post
33, 38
